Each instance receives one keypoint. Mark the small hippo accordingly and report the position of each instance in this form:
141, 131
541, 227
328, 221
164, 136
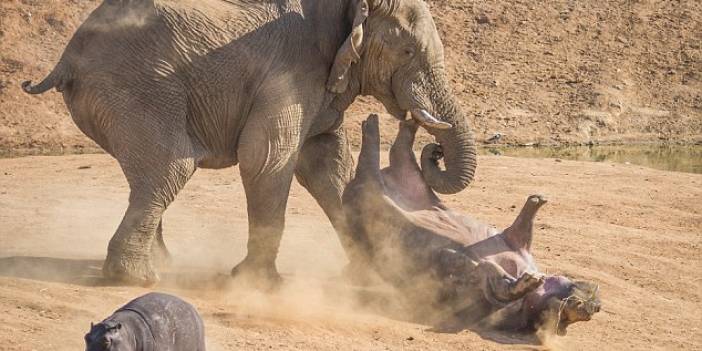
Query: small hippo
153, 322
414, 242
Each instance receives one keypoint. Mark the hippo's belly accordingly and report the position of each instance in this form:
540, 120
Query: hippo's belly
448, 224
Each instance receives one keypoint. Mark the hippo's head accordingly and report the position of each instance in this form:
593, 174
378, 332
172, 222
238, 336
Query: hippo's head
105, 336
560, 302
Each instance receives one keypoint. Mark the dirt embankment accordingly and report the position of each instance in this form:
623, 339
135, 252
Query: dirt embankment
548, 72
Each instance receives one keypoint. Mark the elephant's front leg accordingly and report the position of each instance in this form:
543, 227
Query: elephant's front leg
268, 152
324, 168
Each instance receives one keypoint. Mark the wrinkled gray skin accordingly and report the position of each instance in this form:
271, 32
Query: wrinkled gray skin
168, 86
428, 251
153, 322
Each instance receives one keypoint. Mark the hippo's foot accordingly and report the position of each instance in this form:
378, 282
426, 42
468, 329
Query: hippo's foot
520, 233
537, 199
527, 283
130, 268
260, 276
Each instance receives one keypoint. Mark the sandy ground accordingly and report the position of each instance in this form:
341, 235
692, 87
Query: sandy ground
634, 230
555, 72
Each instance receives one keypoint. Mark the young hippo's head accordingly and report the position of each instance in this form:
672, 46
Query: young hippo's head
560, 302
106, 336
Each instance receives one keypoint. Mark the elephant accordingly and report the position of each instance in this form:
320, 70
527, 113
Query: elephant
169, 86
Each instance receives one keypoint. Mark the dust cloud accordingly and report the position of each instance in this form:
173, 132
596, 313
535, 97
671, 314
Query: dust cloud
110, 16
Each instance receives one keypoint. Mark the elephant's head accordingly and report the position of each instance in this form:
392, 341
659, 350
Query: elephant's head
394, 54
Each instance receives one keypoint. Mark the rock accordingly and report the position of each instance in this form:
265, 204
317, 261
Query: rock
482, 19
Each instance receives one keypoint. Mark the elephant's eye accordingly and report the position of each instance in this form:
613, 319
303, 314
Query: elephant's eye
409, 52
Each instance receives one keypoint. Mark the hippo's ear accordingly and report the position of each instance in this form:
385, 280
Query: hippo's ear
586, 290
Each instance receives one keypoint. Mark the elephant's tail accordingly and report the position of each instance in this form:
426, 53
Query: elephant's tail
58, 78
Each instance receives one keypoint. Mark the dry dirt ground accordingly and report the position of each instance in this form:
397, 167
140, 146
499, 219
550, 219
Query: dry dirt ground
635, 231
549, 72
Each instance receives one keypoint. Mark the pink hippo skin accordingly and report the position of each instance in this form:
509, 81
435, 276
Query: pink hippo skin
440, 258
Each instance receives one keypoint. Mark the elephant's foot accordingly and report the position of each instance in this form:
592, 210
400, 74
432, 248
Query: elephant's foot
259, 275
130, 268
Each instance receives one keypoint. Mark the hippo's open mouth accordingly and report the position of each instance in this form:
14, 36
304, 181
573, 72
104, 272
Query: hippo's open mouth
560, 302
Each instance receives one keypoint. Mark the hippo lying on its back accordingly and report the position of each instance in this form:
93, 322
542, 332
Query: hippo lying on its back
153, 322
414, 242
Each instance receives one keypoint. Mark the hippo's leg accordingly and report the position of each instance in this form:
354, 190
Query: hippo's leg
500, 287
404, 175
519, 234
401, 154
368, 169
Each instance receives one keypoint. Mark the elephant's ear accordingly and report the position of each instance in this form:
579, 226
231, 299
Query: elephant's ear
349, 52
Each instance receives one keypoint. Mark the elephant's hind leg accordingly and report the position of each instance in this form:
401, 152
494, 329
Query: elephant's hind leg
159, 251
151, 144
131, 256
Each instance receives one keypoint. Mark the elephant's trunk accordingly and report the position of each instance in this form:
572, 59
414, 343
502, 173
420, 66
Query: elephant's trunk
456, 144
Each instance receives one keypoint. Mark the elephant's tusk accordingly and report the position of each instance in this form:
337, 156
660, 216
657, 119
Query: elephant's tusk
426, 119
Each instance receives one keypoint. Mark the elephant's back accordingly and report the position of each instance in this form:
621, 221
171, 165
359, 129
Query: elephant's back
154, 56
157, 37
196, 64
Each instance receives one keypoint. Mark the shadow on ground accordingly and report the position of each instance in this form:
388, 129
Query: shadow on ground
87, 272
